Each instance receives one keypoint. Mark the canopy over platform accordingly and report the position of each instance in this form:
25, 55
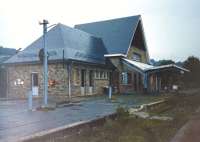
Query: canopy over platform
146, 68
152, 75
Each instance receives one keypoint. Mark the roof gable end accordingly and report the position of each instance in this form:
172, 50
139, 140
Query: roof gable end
116, 34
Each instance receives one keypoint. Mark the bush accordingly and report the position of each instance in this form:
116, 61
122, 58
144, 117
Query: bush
122, 112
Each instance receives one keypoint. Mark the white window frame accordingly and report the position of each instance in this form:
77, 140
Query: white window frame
136, 57
124, 78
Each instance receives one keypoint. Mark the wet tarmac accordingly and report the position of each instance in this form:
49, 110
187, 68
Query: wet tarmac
17, 121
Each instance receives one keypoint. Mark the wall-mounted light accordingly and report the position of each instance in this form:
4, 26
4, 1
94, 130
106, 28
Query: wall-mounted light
18, 82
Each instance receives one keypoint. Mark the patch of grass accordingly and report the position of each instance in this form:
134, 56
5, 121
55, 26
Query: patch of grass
128, 129
122, 112
124, 128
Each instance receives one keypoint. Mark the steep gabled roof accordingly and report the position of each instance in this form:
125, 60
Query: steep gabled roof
116, 34
75, 44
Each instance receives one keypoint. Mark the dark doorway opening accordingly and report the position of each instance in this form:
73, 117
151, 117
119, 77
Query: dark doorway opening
91, 78
3, 83
83, 78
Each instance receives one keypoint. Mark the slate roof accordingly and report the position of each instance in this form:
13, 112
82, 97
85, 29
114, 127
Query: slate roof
76, 44
86, 42
116, 34
6, 53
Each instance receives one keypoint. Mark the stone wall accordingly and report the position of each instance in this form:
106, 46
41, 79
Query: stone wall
98, 83
23, 73
58, 79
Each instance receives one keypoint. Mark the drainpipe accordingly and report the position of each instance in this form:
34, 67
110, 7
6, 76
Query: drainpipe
69, 80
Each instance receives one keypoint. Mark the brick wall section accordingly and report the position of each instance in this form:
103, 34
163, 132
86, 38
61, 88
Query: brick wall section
130, 88
56, 73
152, 83
138, 51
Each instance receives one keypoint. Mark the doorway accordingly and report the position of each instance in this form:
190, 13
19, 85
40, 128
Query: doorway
83, 81
3, 83
91, 82
34, 84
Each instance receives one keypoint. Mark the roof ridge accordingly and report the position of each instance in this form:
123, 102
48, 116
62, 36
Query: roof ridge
109, 20
75, 29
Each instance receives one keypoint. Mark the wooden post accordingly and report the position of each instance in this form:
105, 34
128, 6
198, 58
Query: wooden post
156, 83
145, 82
160, 83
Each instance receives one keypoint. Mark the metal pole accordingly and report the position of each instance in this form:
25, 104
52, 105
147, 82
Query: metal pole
45, 63
30, 100
110, 92
69, 81
110, 86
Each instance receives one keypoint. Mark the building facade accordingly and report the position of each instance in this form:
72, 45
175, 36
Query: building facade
82, 79
87, 59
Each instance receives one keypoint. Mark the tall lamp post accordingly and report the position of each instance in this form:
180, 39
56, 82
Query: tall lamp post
45, 64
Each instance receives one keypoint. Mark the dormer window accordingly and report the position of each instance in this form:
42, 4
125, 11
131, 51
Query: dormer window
137, 57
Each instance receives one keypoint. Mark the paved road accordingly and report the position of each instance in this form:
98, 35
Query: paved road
16, 121
190, 132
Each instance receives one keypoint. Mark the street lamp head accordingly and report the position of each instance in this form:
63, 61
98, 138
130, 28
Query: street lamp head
43, 22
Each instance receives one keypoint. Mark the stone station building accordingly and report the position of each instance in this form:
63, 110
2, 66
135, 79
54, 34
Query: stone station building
86, 59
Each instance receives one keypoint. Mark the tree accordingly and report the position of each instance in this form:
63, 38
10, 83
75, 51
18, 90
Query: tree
193, 77
164, 62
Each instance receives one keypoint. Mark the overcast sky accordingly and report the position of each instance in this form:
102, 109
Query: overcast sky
172, 27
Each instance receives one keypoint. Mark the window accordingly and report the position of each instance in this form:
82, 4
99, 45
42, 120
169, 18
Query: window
126, 78
91, 79
105, 75
76, 76
97, 75
137, 57
101, 75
